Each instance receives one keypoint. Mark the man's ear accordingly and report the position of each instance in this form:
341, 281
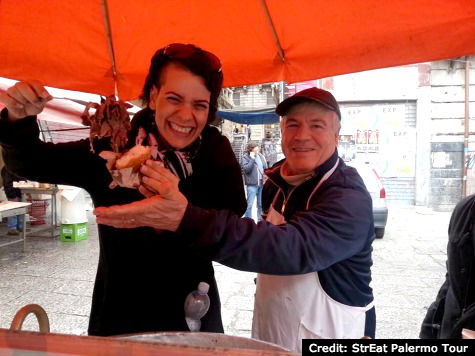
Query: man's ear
153, 97
337, 127
281, 124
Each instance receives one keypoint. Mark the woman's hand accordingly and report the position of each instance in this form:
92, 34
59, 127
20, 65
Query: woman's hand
163, 208
25, 99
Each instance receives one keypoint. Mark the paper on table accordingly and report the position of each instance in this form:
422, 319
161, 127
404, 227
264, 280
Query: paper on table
73, 206
7, 205
70, 193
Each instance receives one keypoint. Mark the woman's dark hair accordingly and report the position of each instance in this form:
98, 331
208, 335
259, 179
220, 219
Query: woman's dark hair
250, 146
196, 60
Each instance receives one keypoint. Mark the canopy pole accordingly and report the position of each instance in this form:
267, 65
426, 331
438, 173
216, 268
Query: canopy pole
466, 135
274, 33
105, 12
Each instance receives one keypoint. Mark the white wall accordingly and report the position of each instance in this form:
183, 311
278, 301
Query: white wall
397, 83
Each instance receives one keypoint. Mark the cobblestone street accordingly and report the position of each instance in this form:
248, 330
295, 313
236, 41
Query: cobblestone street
409, 266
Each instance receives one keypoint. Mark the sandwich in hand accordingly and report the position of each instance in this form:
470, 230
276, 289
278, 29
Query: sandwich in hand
125, 167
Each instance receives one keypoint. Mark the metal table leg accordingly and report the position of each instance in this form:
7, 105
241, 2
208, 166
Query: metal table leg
53, 203
23, 231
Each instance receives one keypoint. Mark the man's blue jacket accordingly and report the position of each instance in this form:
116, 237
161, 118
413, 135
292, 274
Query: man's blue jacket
329, 232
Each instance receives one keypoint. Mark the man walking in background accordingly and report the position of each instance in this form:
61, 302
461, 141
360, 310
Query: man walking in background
253, 165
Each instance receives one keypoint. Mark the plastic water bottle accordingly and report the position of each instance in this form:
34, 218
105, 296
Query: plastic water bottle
196, 306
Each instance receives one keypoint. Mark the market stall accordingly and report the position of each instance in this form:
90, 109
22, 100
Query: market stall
257, 41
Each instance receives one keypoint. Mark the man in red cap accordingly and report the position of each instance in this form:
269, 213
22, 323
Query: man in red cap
313, 249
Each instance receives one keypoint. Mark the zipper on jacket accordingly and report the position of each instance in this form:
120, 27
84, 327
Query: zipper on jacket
282, 190
287, 199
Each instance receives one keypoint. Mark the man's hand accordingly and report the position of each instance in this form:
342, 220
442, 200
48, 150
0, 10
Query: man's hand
25, 99
162, 211
252, 154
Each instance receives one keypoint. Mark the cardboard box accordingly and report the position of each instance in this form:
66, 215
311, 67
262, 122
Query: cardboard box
74, 232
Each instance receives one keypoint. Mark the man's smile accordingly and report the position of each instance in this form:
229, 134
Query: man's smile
302, 149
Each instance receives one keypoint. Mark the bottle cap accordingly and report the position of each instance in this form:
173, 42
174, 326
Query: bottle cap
203, 287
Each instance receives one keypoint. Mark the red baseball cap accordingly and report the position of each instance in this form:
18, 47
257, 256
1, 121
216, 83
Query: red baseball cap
320, 96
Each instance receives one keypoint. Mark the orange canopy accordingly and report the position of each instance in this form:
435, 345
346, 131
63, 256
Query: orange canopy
91, 45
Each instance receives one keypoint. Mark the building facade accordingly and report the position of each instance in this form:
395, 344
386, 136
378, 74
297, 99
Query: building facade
408, 122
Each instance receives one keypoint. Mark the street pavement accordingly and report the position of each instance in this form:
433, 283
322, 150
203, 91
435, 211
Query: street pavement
409, 266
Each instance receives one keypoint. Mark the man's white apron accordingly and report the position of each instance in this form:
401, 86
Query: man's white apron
290, 308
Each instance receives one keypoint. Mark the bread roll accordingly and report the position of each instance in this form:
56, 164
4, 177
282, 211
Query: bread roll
133, 157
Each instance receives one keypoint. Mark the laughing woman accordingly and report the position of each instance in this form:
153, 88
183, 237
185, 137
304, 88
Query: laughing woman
141, 281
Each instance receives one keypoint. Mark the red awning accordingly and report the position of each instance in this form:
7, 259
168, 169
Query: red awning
65, 44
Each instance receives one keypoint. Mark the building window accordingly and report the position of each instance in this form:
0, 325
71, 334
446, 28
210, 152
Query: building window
270, 98
237, 98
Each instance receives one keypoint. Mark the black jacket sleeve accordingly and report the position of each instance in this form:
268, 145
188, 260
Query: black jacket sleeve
431, 324
334, 229
65, 163
454, 306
